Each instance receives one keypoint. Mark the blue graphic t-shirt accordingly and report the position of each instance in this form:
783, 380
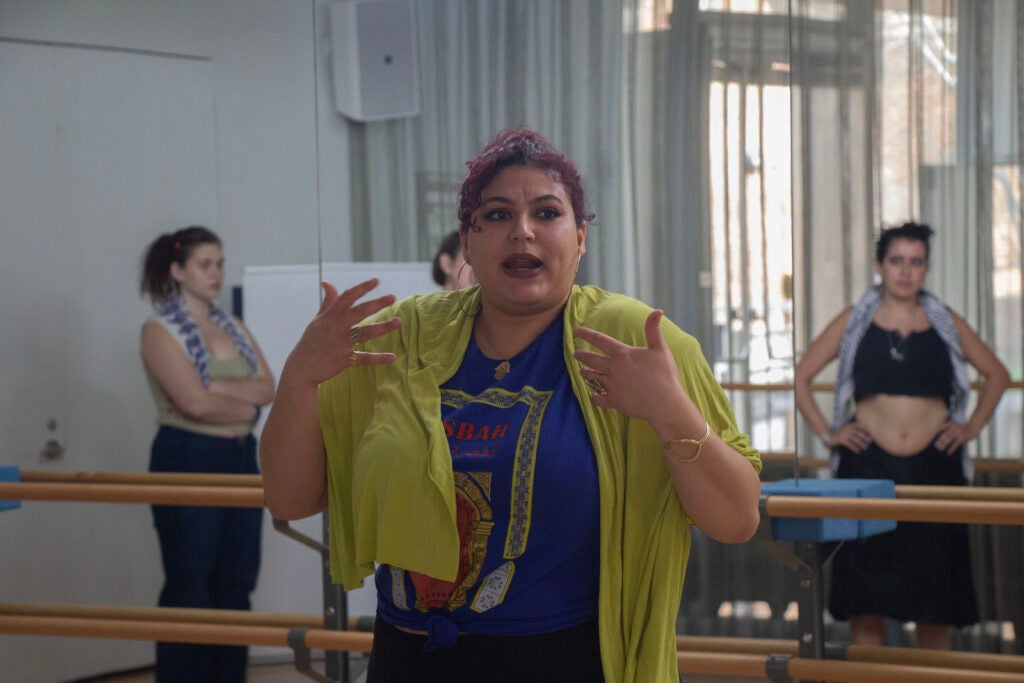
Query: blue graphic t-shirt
527, 504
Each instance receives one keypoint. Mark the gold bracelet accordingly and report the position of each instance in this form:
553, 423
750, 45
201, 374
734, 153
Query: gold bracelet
699, 443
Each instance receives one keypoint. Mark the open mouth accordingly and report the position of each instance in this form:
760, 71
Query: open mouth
522, 263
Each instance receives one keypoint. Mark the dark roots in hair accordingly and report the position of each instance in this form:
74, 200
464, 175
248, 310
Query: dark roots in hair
519, 147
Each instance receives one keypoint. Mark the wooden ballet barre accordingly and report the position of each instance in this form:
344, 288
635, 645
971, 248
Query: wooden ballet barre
982, 493
954, 511
976, 661
976, 510
785, 457
755, 666
743, 646
820, 386
871, 672
169, 478
774, 386
758, 646
1007, 465
178, 632
318, 639
222, 496
191, 615
1010, 465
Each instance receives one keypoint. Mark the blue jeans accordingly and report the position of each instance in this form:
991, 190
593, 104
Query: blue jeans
211, 555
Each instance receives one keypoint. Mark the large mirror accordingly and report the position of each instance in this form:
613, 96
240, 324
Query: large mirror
739, 155
911, 111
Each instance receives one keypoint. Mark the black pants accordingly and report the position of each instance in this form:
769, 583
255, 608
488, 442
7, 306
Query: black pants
569, 656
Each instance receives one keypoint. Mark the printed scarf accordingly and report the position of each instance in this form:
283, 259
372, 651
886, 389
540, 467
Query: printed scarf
857, 325
175, 316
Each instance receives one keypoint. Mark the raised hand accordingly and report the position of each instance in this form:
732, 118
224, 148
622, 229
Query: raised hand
332, 342
639, 381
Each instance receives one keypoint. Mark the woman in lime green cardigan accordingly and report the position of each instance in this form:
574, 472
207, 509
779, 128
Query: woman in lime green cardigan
519, 462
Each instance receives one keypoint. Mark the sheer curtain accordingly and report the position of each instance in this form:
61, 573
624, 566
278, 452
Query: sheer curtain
707, 130
611, 82
675, 111
917, 120
740, 156
485, 66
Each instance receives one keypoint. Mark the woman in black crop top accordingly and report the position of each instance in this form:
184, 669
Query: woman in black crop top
900, 414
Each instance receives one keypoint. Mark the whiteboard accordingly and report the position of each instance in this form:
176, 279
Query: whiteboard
277, 304
279, 301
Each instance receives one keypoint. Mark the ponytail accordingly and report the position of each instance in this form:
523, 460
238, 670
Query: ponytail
166, 249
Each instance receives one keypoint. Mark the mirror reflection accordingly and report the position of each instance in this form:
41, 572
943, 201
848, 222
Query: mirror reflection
907, 112
740, 157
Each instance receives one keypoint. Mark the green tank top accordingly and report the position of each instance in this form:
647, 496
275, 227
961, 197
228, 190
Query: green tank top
235, 367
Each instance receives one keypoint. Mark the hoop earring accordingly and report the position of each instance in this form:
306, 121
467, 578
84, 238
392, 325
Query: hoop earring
458, 275
461, 294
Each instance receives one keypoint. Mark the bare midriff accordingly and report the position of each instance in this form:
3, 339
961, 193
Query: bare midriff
902, 425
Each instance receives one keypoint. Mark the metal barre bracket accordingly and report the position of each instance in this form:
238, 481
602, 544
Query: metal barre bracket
282, 526
303, 660
838, 651
807, 560
776, 667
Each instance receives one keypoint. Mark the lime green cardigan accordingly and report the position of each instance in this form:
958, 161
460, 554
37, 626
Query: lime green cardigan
392, 492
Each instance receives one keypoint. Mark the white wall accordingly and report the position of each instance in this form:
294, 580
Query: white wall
264, 90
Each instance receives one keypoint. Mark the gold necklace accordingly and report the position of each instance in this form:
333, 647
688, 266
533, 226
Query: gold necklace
504, 367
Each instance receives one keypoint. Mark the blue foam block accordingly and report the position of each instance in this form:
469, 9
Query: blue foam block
9, 473
830, 529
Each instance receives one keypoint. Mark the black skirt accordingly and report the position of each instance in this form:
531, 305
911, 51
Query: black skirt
919, 572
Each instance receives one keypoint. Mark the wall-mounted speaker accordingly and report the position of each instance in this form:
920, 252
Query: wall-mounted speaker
374, 59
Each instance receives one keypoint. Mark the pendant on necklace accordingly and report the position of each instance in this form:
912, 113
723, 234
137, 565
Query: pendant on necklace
898, 346
502, 369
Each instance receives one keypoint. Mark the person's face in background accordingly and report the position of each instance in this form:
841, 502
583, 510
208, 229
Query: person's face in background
524, 243
904, 268
458, 274
203, 273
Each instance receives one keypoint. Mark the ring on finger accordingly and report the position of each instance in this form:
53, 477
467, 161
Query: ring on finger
355, 335
598, 387
353, 358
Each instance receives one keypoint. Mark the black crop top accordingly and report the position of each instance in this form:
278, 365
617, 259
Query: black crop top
924, 371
